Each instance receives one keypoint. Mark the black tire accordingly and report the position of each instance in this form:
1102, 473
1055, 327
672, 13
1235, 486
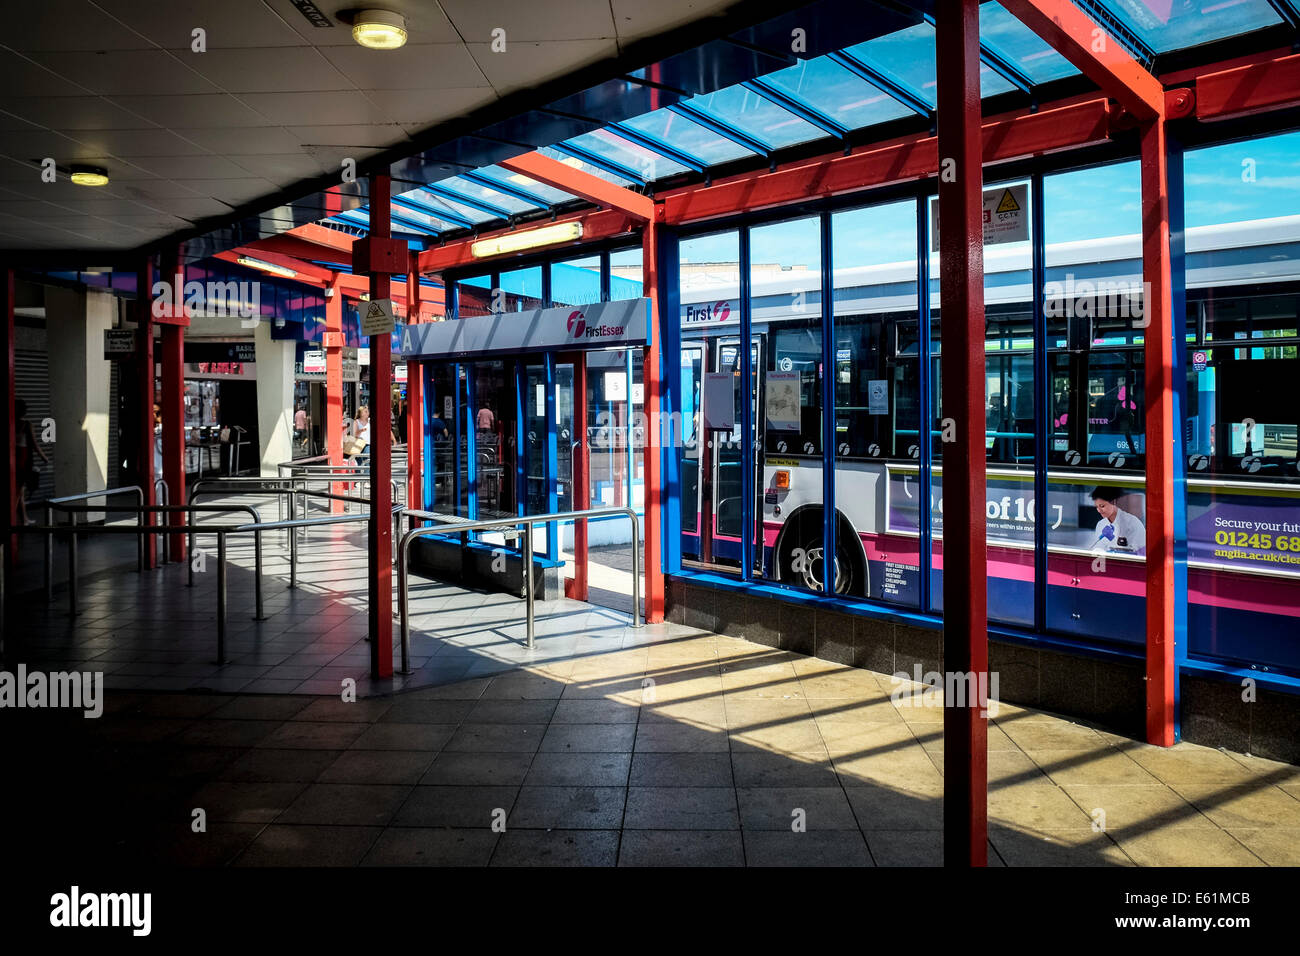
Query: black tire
799, 556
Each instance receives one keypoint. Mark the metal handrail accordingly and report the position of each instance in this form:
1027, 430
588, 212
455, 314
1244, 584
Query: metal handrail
85, 496
455, 528
72, 530
188, 510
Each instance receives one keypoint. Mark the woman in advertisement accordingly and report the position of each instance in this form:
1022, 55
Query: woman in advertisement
1118, 530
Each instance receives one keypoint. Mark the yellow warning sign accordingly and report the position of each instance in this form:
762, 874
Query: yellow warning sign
377, 317
1008, 202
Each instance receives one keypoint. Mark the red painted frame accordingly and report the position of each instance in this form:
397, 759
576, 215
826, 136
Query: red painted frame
965, 580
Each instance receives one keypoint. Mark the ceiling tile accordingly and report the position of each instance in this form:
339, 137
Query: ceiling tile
230, 23
429, 66
182, 112
126, 72
531, 64
636, 19
190, 167
417, 109
315, 109
250, 141
19, 76
553, 20
136, 142
70, 25
284, 169
149, 190
65, 113
253, 70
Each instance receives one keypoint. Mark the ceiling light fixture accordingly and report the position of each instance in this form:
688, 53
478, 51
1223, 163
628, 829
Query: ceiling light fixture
379, 29
90, 175
266, 267
531, 239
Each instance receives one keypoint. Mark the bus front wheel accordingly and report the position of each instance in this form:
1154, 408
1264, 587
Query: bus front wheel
801, 559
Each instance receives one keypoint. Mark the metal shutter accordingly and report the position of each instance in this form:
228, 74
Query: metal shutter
32, 385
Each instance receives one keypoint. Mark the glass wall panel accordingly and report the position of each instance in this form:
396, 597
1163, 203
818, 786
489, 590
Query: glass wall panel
1008, 404
786, 352
877, 400
709, 280
520, 290
1096, 453
625, 274
473, 296
1243, 413
575, 282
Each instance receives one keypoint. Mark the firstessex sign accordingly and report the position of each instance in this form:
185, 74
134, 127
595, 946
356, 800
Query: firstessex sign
540, 330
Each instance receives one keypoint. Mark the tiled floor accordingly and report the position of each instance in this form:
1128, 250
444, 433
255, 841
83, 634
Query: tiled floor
607, 745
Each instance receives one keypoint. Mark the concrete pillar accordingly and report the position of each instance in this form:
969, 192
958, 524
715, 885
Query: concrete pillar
79, 389
274, 398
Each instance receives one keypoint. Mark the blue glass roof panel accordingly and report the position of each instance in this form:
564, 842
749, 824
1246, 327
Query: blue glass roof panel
486, 194
909, 55
846, 98
433, 205
548, 194
760, 118
1022, 46
631, 155
585, 167
1166, 25
690, 138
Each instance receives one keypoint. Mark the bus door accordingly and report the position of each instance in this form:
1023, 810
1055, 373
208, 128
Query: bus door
726, 493
695, 452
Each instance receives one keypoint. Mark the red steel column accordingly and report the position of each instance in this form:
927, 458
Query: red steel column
172, 399
333, 342
9, 474
414, 398
961, 285
581, 478
144, 371
654, 491
1158, 361
381, 449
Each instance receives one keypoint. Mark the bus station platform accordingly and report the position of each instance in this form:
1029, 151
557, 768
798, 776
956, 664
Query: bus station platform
606, 744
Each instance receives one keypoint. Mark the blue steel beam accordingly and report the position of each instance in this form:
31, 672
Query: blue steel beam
805, 111
911, 98
656, 146
1005, 68
600, 162
718, 127
1288, 11
442, 192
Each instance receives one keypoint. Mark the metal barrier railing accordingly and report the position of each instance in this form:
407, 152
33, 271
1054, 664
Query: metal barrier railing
85, 496
293, 524
527, 522
72, 530
188, 510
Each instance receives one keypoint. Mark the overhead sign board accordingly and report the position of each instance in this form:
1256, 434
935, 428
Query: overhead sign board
313, 362
1006, 216
377, 317
597, 326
